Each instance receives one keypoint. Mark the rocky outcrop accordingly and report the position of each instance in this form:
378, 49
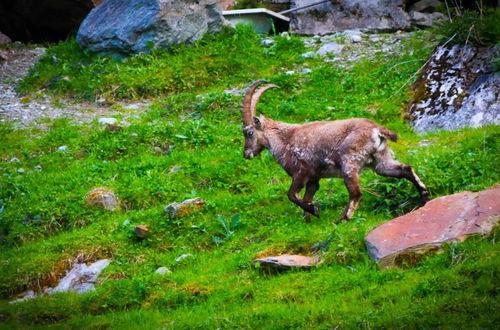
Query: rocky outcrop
122, 28
366, 15
407, 239
457, 88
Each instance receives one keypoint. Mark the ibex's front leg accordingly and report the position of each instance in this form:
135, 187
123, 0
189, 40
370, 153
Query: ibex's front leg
298, 183
311, 188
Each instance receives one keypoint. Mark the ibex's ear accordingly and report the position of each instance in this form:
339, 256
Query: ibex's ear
257, 123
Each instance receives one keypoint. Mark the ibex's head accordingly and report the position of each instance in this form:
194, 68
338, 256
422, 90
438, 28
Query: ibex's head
253, 128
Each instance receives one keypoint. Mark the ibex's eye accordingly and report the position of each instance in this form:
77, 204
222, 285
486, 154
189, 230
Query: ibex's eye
250, 133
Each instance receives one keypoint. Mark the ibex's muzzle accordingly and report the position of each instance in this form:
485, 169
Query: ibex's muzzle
248, 154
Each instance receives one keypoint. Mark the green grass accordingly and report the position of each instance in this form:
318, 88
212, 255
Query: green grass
247, 210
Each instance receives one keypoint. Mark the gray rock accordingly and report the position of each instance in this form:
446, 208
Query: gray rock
4, 39
30, 294
457, 88
235, 91
368, 15
102, 197
355, 38
107, 121
331, 48
183, 256
162, 271
427, 6
309, 55
63, 148
123, 28
286, 262
424, 20
81, 278
177, 210
267, 42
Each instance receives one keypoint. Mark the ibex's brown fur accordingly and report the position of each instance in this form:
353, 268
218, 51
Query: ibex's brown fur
318, 150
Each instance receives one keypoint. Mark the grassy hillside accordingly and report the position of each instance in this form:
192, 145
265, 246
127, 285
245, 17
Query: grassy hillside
194, 125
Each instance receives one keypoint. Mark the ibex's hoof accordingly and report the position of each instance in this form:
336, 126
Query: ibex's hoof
315, 211
424, 199
341, 219
307, 217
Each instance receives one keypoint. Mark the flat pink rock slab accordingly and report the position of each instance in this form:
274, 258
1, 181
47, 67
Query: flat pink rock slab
287, 261
406, 239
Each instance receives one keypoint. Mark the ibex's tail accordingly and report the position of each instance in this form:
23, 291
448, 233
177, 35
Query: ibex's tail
384, 132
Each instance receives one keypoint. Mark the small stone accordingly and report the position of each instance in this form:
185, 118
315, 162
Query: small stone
107, 121
63, 148
306, 71
141, 231
332, 48
355, 38
102, 197
30, 294
309, 55
21, 170
177, 210
134, 135
424, 143
81, 278
287, 261
175, 169
289, 73
38, 167
14, 160
162, 271
114, 128
184, 256
235, 91
267, 42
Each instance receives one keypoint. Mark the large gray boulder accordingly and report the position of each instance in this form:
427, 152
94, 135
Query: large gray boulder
122, 28
457, 88
366, 15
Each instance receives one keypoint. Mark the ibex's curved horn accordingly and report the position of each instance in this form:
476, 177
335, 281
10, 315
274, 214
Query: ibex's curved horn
256, 97
246, 110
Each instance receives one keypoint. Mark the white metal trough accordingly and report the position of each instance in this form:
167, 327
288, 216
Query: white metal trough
262, 20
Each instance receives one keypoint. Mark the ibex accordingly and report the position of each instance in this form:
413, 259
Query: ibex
318, 150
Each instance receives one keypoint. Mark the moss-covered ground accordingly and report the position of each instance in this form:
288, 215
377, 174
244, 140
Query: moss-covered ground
194, 126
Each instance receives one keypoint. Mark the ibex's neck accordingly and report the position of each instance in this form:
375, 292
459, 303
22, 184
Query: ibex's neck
278, 135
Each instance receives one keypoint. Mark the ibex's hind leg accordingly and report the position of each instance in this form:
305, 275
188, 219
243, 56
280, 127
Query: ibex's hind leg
351, 180
385, 165
311, 188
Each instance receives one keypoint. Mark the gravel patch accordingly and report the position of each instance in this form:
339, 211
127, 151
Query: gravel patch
35, 110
